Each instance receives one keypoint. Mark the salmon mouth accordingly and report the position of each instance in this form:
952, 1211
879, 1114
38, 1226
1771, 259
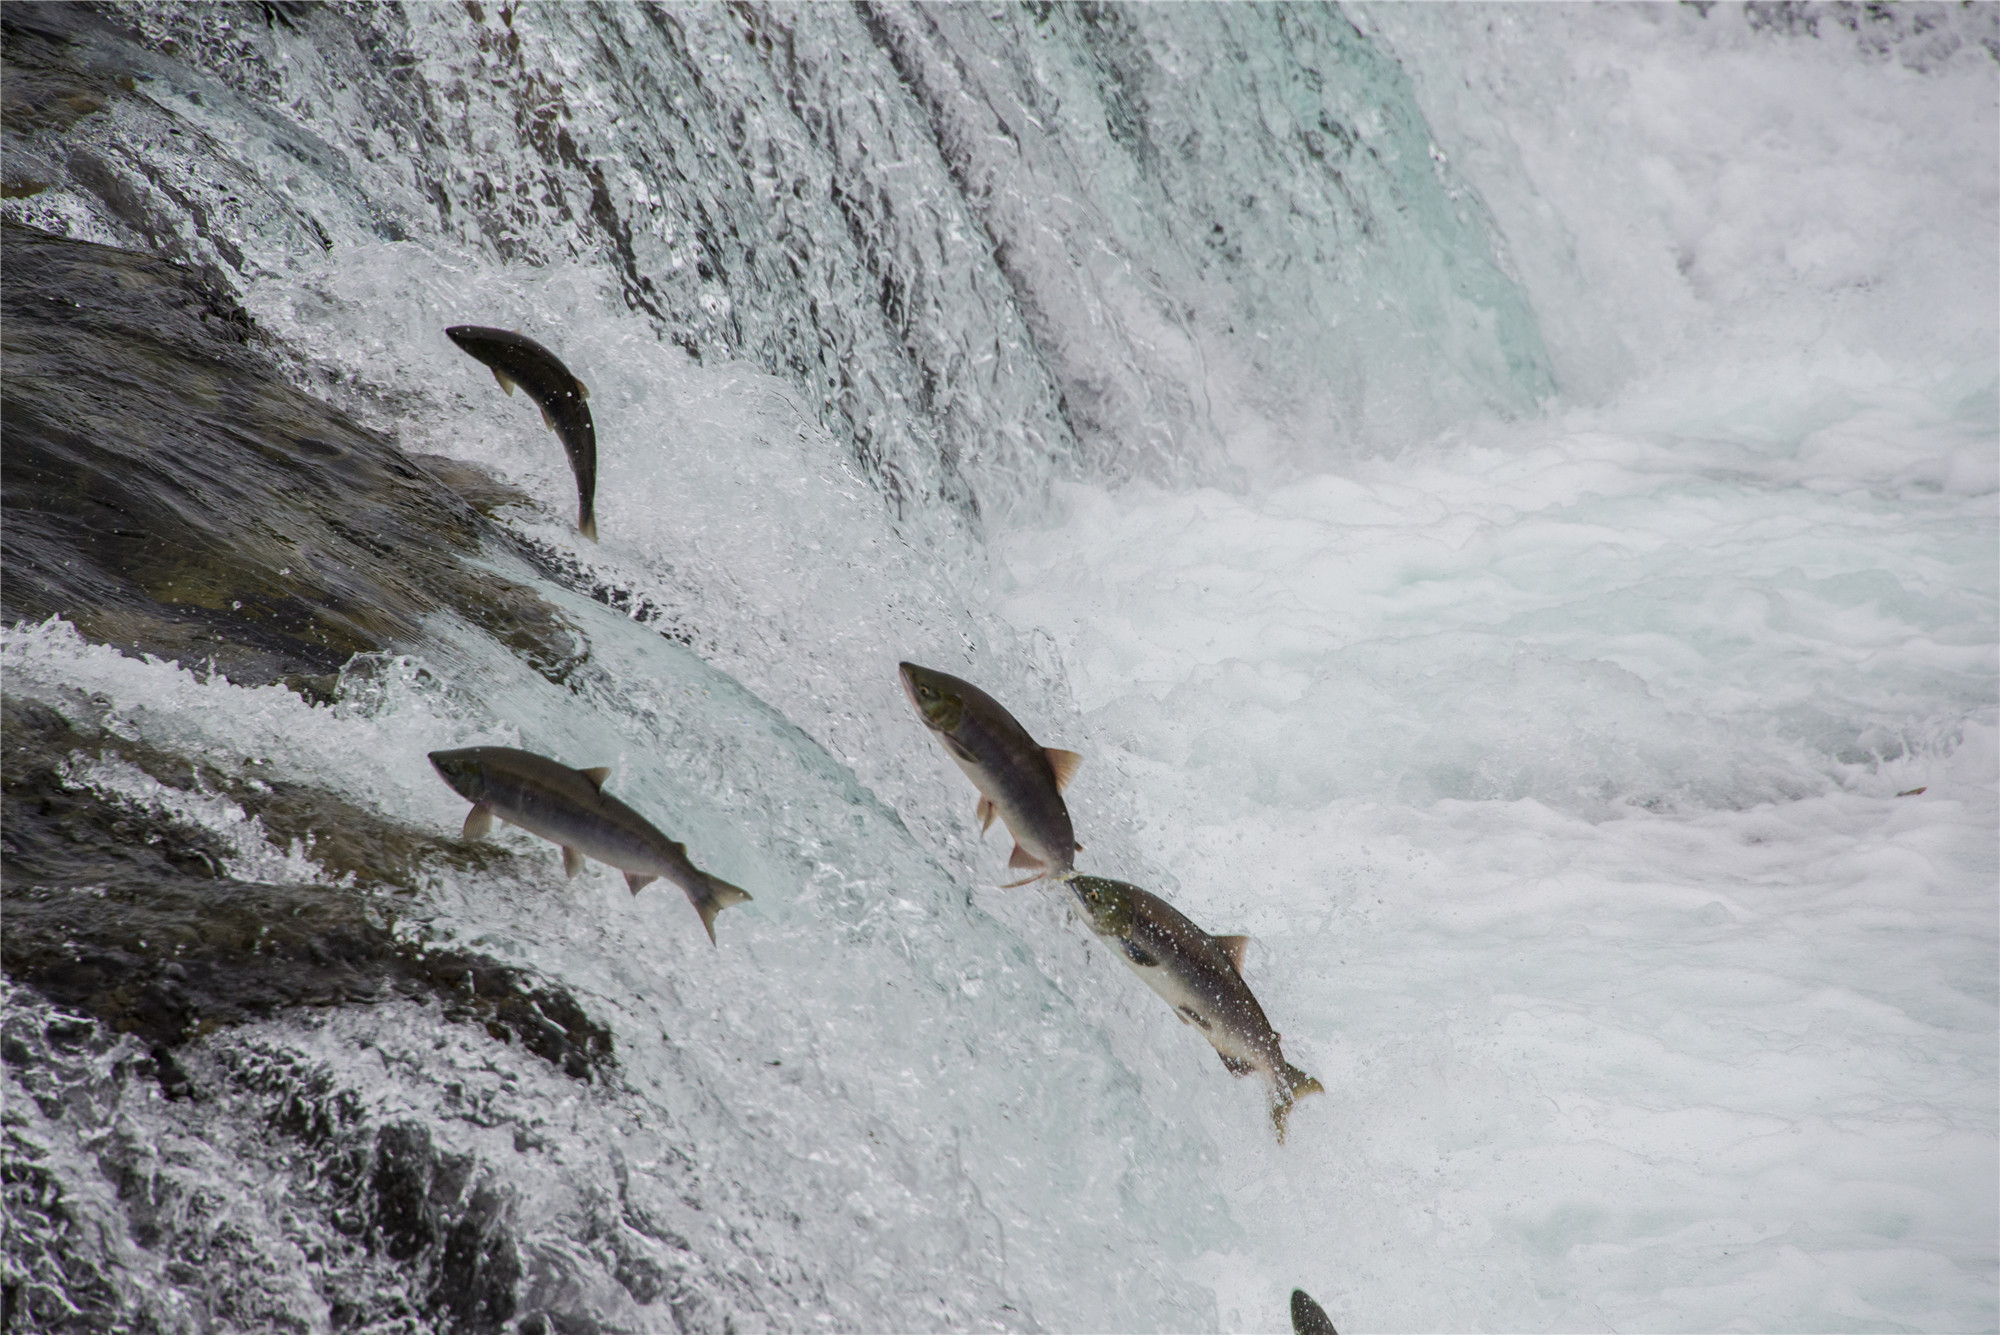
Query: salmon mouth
906, 672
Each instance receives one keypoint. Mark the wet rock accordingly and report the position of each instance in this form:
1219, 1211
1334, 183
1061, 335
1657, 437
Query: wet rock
168, 493
54, 77
130, 915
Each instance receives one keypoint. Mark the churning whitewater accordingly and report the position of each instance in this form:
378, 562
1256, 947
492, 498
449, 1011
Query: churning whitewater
1503, 500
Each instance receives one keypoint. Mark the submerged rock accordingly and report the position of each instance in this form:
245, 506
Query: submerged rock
376, 1207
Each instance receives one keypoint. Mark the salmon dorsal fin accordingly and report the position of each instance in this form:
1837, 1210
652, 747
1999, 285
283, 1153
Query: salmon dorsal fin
548, 421
1232, 946
597, 776
505, 383
1064, 763
582, 390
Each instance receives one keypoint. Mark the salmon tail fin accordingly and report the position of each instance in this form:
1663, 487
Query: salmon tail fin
1292, 1085
719, 895
586, 524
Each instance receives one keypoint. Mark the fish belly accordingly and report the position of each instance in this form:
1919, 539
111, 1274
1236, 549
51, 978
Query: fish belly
1188, 998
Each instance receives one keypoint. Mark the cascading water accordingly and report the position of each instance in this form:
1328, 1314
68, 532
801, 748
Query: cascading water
1494, 494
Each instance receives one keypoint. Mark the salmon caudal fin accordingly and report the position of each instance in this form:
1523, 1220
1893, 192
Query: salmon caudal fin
1292, 1085
586, 524
720, 895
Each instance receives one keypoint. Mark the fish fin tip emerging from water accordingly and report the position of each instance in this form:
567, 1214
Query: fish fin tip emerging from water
505, 383
637, 882
1232, 946
1021, 859
985, 812
572, 861
478, 821
1064, 763
597, 775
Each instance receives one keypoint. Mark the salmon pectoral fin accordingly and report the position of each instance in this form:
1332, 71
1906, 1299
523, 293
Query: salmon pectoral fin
1236, 1066
638, 882
478, 821
548, 421
572, 861
505, 383
1022, 859
597, 776
985, 813
1232, 946
1064, 763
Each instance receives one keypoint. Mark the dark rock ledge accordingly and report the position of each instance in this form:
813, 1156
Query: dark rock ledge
167, 493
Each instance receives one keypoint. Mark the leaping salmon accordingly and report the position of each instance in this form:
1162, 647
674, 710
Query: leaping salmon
570, 807
1308, 1317
1201, 977
1017, 780
516, 359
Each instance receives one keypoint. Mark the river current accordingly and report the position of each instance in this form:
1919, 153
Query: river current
1503, 498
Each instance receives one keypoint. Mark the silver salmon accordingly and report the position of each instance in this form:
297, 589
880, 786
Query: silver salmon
570, 807
1201, 977
1017, 780
516, 359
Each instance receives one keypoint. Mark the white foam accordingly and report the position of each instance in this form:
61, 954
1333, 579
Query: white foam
1611, 797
